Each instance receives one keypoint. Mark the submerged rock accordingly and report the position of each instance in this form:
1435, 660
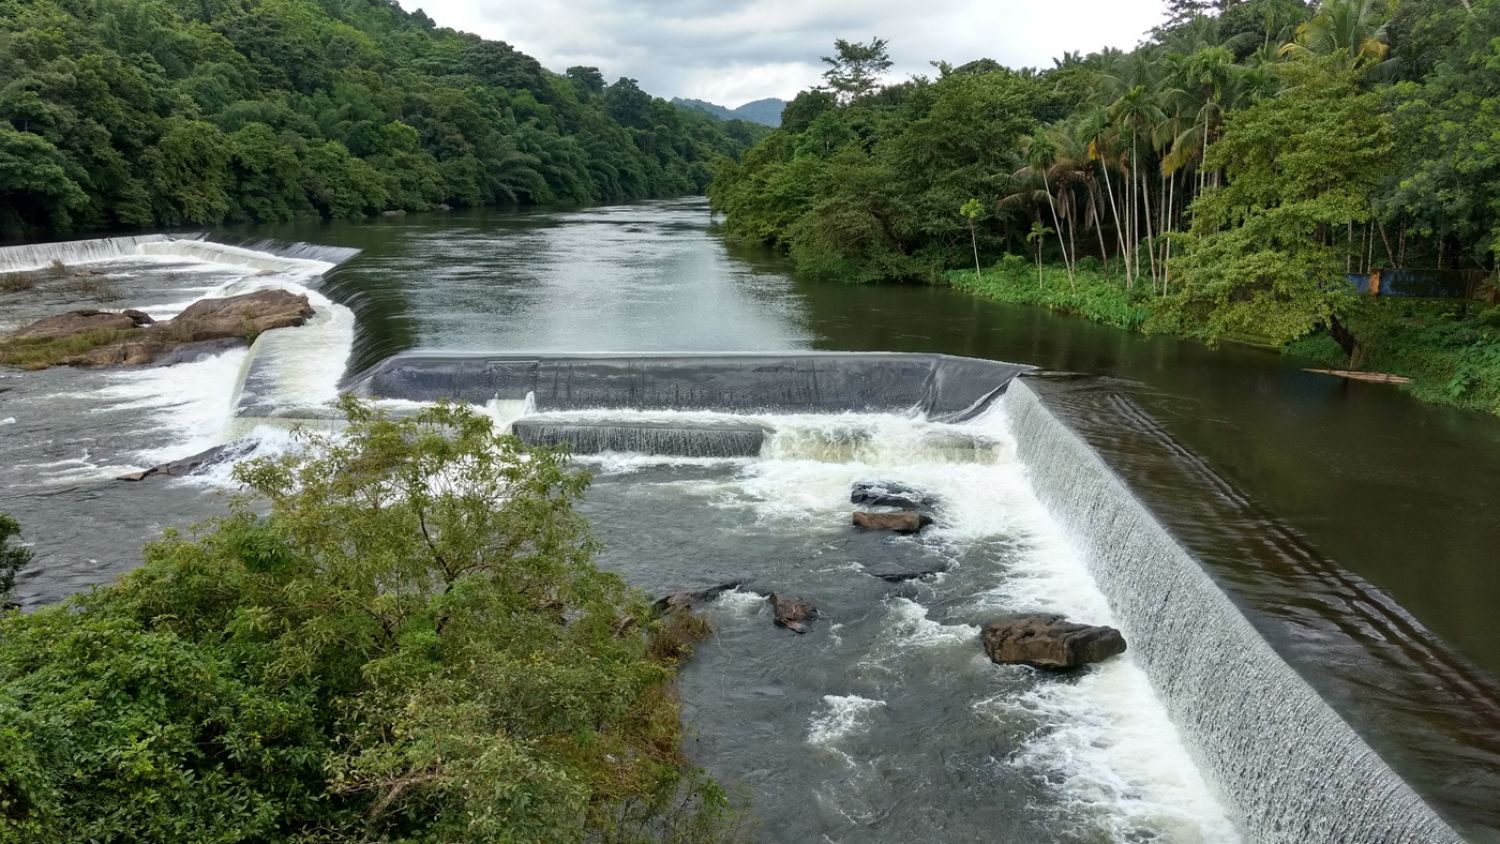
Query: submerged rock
882, 494
897, 573
188, 465
687, 599
1049, 642
792, 613
903, 522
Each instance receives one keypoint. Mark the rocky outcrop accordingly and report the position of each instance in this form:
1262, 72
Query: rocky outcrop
1049, 642
688, 599
80, 322
905, 522
131, 338
240, 316
794, 614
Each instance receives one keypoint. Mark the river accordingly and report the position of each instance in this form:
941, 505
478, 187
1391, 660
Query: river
1387, 507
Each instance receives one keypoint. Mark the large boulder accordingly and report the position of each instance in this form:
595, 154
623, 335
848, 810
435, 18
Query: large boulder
80, 322
907, 521
239, 316
792, 613
1049, 642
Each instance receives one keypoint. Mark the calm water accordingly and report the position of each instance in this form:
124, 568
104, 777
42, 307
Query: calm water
1396, 497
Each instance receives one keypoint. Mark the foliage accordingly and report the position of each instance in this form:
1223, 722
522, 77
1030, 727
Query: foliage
140, 113
1299, 166
1093, 295
413, 644
13, 558
855, 69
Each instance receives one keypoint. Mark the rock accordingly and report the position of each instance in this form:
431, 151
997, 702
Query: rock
897, 573
189, 465
443, 207
687, 599
395, 213
78, 322
238, 316
792, 613
903, 522
231, 321
1049, 642
900, 496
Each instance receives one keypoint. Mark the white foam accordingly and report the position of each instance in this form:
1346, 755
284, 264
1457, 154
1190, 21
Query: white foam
9, 420
843, 716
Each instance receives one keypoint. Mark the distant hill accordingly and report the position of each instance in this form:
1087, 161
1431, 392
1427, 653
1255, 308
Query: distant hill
765, 112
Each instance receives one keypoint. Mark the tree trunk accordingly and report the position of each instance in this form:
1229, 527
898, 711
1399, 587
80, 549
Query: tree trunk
974, 237
1057, 224
1347, 341
1119, 230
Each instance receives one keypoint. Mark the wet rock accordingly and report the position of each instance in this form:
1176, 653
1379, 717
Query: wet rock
904, 522
792, 613
897, 573
79, 322
687, 599
189, 465
1049, 642
239, 316
394, 213
139, 340
883, 494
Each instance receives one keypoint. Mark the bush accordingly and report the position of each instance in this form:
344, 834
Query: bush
412, 644
1091, 294
12, 558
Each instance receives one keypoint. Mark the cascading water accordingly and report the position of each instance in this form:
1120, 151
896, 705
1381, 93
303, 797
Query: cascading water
1294, 771
42, 255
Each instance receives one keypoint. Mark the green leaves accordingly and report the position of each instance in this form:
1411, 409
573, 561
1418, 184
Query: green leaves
412, 643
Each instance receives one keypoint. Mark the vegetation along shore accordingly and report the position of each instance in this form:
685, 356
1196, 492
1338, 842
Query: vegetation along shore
1242, 175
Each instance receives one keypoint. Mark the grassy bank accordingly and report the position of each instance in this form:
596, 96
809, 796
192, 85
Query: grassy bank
1449, 348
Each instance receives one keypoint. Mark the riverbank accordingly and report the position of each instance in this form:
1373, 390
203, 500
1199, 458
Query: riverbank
1449, 348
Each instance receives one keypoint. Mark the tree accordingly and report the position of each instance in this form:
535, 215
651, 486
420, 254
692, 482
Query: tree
856, 68
970, 211
411, 643
1259, 258
12, 558
1038, 236
588, 79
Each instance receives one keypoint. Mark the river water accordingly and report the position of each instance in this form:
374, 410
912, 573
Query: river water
884, 723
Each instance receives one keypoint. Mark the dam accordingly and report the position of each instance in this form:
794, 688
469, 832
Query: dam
1055, 492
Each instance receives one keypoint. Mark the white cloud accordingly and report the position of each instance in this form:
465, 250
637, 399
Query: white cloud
731, 51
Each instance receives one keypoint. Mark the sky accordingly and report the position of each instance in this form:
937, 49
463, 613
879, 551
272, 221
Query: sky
733, 51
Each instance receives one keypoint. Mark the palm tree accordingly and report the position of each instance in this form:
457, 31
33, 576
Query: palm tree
1354, 29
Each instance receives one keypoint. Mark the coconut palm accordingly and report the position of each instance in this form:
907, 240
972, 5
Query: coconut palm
1354, 29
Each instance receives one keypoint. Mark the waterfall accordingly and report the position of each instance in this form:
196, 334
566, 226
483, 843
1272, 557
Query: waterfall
1290, 767
38, 256
670, 439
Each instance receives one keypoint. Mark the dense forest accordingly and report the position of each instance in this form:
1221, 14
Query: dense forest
142, 113
1221, 181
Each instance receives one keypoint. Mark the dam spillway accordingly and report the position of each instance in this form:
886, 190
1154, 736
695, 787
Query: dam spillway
1290, 768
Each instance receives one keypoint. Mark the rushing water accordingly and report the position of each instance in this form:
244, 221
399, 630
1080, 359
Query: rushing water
884, 723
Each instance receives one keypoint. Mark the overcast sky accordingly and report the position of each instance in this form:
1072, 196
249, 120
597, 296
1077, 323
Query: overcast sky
734, 51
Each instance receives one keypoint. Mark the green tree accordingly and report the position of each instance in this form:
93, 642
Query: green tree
1301, 166
855, 69
412, 643
970, 211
